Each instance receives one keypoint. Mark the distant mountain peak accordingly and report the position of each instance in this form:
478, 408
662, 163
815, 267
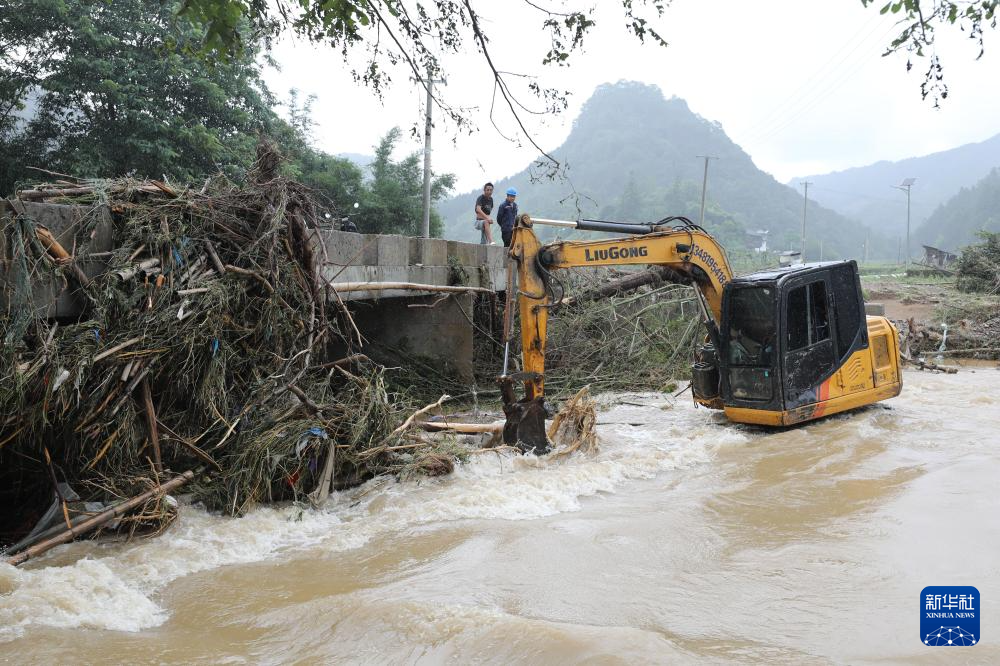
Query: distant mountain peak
633, 155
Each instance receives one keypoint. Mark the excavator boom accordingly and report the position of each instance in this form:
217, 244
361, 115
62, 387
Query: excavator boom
686, 248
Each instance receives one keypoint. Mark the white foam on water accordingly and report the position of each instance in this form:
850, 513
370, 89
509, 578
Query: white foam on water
88, 593
117, 591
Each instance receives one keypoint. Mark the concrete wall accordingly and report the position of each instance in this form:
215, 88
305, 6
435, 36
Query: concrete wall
71, 226
351, 257
400, 320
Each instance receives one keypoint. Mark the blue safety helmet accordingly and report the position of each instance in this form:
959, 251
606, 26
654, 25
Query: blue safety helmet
511, 191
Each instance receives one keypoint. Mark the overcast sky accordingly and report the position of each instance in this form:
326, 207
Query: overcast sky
800, 85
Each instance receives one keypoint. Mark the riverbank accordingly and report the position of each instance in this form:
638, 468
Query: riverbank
924, 307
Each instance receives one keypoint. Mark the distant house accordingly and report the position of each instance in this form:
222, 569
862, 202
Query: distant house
756, 240
937, 257
789, 258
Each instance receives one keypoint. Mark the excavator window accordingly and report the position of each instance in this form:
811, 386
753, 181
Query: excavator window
751, 327
850, 307
808, 321
808, 336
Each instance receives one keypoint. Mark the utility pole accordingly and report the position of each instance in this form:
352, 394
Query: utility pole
805, 204
905, 186
868, 240
704, 186
425, 229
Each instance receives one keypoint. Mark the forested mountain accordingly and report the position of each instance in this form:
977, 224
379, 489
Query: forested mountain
955, 223
866, 194
632, 155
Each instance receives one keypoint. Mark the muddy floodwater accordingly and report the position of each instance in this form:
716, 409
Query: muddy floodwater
685, 539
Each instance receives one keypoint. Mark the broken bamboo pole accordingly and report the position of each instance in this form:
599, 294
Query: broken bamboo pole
423, 410
55, 248
116, 348
145, 265
154, 433
347, 360
959, 352
254, 274
50, 243
926, 365
467, 428
54, 192
214, 256
342, 287
42, 192
98, 520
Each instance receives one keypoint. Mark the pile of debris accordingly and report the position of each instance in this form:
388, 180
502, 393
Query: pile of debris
621, 330
964, 338
205, 346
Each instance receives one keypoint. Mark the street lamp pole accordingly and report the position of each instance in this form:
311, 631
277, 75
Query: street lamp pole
905, 186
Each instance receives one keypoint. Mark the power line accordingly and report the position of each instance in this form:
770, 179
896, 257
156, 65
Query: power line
805, 91
816, 89
855, 194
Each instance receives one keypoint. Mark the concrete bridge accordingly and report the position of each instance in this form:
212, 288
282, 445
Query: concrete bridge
412, 320
361, 268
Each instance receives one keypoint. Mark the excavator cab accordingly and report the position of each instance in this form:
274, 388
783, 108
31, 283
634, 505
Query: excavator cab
788, 338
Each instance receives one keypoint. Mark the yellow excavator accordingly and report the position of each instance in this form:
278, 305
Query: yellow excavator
783, 345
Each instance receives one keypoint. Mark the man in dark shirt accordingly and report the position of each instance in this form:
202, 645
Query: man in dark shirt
507, 215
484, 205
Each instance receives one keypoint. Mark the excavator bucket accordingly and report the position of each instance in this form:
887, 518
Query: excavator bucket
525, 426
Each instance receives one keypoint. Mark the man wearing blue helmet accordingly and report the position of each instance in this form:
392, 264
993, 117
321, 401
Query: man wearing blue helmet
507, 215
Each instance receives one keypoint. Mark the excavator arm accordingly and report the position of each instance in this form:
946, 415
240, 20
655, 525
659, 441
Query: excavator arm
685, 248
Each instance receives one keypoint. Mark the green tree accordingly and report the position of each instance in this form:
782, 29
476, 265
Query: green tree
117, 89
393, 202
978, 267
337, 182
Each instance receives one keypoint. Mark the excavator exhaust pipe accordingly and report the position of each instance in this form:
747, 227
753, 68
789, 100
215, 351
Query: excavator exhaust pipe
525, 425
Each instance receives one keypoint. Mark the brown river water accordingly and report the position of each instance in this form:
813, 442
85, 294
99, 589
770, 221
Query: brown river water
684, 540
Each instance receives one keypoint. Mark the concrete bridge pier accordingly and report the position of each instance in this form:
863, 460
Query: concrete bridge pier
436, 331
